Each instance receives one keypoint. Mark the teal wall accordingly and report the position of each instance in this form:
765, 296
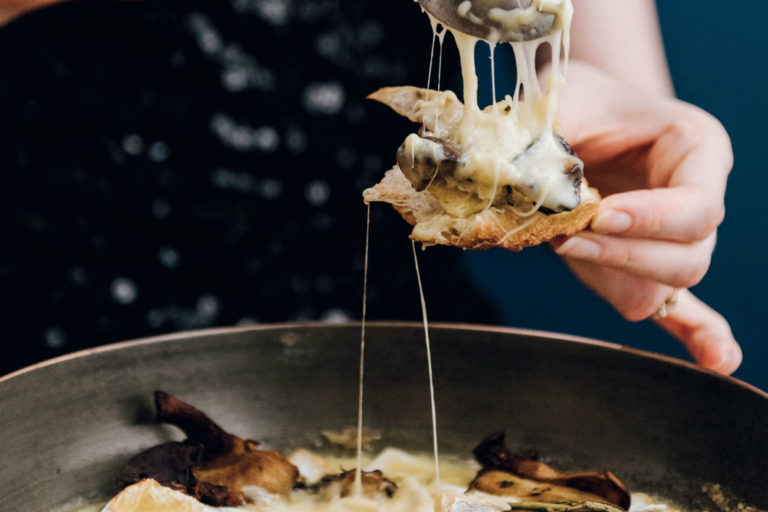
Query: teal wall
719, 61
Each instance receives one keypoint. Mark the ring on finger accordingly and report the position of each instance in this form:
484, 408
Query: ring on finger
668, 304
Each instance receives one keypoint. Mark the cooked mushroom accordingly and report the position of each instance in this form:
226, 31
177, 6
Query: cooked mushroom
572, 175
480, 503
506, 474
374, 485
425, 159
212, 464
587, 506
169, 464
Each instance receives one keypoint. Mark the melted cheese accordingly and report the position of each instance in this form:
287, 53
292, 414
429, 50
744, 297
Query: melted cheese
493, 140
513, 144
359, 464
429, 366
413, 474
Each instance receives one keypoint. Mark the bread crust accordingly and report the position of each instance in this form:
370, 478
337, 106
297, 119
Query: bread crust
493, 227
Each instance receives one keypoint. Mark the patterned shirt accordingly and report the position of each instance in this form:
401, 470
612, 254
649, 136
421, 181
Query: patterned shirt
178, 164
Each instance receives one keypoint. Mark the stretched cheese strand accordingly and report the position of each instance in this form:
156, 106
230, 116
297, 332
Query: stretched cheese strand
466, 45
492, 47
358, 468
433, 23
515, 143
441, 39
429, 366
438, 35
487, 136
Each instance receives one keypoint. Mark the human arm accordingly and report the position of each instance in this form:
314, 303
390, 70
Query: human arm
623, 38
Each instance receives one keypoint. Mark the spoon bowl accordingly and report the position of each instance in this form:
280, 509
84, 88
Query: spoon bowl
493, 20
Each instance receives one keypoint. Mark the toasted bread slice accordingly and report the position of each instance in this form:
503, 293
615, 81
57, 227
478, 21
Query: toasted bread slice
493, 227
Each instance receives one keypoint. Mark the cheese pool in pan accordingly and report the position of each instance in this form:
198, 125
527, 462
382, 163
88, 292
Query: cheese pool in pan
412, 474
501, 176
214, 470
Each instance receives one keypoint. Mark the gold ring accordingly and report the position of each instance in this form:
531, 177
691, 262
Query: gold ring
669, 302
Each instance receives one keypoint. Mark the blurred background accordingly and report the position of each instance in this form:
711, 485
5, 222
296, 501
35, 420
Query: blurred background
90, 92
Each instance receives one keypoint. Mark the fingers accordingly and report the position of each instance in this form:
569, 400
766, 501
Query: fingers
674, 264
635, 298
682, 214
704, 332
695, 149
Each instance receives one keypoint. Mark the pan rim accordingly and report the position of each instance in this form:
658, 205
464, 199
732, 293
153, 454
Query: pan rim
535, 333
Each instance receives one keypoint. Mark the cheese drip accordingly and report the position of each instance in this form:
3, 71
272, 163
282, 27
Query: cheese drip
411, 472
358, 487
433, 410
515, 143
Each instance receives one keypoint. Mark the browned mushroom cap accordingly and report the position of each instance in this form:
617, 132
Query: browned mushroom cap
423, 166
340, 485
507, 474
251, 467
587, 506
198, 427
169, 464
212, 465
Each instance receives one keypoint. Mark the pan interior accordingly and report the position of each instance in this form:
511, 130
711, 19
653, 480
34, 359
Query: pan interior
664, 428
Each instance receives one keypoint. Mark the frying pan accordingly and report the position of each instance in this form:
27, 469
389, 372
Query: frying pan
663, 426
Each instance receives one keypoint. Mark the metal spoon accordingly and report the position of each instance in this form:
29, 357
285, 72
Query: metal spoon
473, 17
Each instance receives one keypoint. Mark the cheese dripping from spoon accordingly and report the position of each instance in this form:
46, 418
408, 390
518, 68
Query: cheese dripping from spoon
514, 144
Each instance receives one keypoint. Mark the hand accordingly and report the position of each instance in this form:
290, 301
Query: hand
661, 166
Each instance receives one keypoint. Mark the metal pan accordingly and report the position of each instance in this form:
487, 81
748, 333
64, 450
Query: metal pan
663, 426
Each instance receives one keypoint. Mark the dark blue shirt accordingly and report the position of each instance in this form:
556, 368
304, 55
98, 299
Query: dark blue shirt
169, 165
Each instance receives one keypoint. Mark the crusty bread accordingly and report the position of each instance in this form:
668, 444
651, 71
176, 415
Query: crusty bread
493, 227
407, 100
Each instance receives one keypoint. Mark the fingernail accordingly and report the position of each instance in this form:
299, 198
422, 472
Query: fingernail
612, 221
579, 248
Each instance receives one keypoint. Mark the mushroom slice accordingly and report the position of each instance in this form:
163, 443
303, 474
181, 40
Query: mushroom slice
169, 464
503, 483
426, 159
341, 485
265, 469
212, 465
506, 474
587, 506
551, 148
469, 502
